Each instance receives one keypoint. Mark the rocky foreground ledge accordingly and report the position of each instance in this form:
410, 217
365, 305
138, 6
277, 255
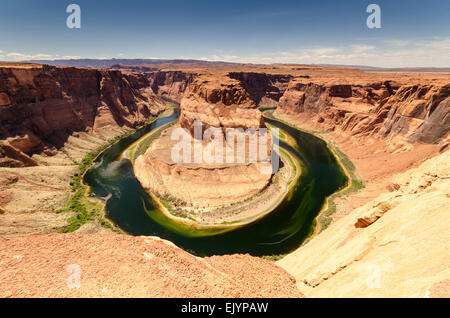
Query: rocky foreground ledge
113, 265
396, 245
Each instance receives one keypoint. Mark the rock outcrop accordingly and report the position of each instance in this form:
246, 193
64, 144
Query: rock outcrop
40, 107
394, 246
202, 184
264, 89
389, 109
218, 102
111, 265
171, 84
420, 113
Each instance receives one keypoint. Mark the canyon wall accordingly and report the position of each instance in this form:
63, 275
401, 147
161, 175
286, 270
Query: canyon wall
413, 111
40, 107
384, 105
171, 84
219, 101
203, 185
395, 244
264, 89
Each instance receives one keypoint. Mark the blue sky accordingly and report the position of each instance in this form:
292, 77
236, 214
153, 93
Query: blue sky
413, 33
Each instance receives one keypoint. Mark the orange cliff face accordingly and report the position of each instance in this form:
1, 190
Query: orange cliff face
417, 110
219, 101
409, 105
387, 123
171, 84
388, 112
41, 106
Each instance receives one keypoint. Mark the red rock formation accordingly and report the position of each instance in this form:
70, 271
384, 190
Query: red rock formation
264, 89
172, 84
219, 101
416, 112
42, 106
420, 112
202, 184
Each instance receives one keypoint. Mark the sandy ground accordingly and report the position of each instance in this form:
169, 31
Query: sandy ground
73, 265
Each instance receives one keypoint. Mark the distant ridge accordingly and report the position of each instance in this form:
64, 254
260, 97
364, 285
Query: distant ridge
105, 63
392, 69
108, 63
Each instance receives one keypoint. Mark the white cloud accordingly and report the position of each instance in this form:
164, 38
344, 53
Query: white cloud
362, 48
385, 53
20, 56
323, 51
399, 43
392, 53
70, 57
441, 45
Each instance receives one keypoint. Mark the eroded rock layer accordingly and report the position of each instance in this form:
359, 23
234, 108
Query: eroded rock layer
389, 245
415, 112
397, 245
40, 107
171, 84
412, 106
217, 103
199, 184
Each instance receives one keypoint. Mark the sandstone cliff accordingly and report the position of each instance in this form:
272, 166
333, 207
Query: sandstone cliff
406, 109
203, 184
264, 89
394, 246
171, 84
219, 101
123, 266
50, 119
40, 107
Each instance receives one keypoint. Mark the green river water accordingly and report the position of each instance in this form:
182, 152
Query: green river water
279, 232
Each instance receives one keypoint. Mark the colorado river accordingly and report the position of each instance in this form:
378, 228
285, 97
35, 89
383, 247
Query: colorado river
279, 232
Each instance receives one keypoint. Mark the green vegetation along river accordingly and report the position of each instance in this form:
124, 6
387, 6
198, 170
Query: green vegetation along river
279, 232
